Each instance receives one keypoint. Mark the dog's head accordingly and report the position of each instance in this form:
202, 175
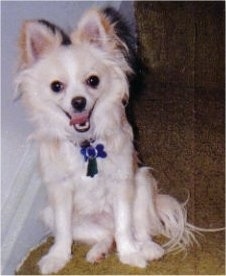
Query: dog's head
71, 82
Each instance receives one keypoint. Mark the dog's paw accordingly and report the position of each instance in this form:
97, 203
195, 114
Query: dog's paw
134, 259
97, 253
151, 250
146, 251
94, 256
51, 263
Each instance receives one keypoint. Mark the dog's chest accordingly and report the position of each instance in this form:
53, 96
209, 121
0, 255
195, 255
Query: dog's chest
92, 179
91, 195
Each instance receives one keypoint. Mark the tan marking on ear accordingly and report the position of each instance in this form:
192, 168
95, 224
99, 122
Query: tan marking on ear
108, 27
22, 44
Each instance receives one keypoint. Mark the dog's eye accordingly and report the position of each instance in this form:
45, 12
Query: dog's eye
57, 86
93, 81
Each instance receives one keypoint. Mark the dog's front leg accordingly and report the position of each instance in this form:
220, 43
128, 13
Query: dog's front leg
128, 249
59, 189
59, 254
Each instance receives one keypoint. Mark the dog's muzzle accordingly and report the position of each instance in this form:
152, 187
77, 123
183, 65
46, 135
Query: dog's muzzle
80, 117
80, 120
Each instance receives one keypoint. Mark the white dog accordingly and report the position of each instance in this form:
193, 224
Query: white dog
74, 87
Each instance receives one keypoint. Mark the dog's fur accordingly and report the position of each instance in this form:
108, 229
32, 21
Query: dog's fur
121, 203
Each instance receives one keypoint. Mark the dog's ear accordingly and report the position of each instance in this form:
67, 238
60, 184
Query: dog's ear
96, 28
37, 38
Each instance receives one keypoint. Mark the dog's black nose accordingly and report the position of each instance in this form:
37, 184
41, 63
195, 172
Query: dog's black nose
79, 103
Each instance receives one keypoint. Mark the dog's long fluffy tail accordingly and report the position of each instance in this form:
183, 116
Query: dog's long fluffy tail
173, 216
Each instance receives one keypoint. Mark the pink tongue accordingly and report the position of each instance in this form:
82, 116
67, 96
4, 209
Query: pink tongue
79, 118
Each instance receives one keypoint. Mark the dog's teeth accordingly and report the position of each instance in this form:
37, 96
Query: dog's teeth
82, 127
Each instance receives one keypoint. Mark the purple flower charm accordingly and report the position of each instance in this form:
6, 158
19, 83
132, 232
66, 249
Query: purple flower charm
90, 154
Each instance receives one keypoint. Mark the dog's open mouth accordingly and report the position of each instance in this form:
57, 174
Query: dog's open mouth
80, 121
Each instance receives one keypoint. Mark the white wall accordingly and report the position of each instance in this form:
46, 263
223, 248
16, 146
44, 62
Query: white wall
22, 195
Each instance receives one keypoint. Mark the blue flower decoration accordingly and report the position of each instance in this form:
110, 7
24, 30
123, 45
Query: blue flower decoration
90, 152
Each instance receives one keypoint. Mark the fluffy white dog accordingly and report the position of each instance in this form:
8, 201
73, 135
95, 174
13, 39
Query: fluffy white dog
75, 88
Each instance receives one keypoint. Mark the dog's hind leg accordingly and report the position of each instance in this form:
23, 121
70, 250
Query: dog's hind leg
96, 232
146, 220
